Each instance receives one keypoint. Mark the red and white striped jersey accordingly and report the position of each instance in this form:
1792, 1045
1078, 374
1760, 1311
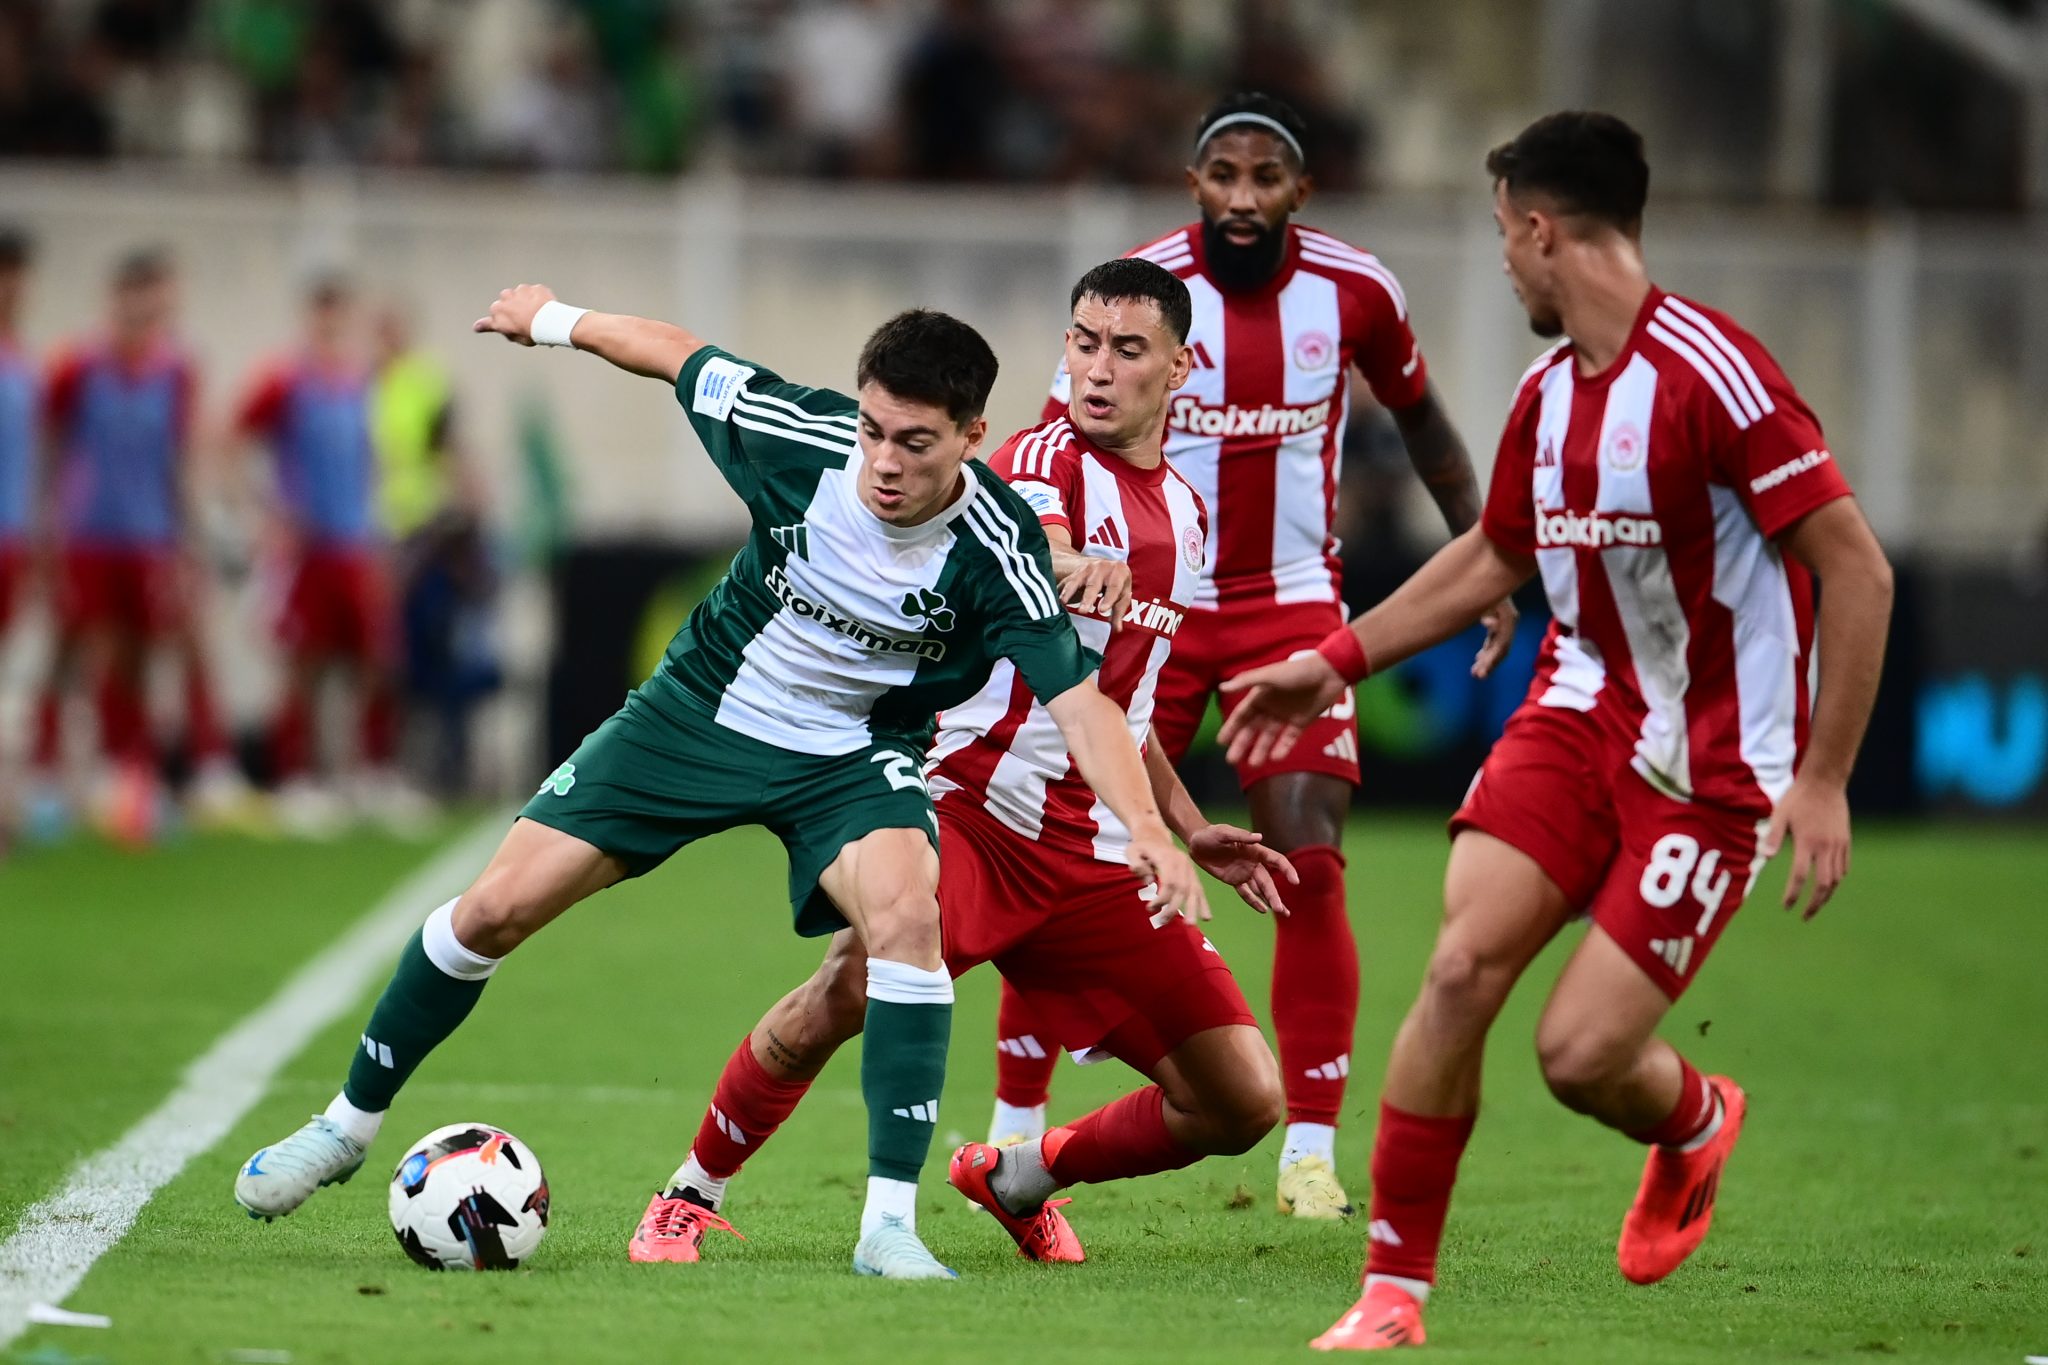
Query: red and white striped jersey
1650, 496
1259, 427
1001, 748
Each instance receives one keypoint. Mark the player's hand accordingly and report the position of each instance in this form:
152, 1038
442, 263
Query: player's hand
1098, 587
1815, 815
1500, 637
511, 317
1239, 858
1279, 702
1176, 889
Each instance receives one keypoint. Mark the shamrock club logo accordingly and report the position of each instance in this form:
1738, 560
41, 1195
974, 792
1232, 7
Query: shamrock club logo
923, 602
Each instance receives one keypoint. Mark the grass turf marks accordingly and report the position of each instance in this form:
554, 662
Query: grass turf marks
1892, 1173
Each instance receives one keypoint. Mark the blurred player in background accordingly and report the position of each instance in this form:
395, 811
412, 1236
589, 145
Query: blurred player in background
431, 506
312, 411
1033, 875
1282, 314
20, 428
120, 412
1677, 497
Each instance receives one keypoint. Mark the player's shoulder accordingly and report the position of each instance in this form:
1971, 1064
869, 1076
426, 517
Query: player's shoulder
1175, 252
998, 518
1045, 451
1353, 269
1714, 358
717, 384
1532, 377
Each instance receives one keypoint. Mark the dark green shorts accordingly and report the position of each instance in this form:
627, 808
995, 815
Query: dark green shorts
661, 773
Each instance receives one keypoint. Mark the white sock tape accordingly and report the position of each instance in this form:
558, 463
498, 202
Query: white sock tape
444, 950
553, 323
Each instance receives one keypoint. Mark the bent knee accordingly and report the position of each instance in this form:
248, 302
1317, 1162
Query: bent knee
1462, 983
1580, 1067
1238, 1119
839, 993
500, 911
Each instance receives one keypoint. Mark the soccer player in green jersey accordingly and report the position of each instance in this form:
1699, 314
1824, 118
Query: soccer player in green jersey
885, 573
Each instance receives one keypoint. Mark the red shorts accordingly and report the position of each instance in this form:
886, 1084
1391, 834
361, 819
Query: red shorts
1682, 872
1214, 645
1661, 877
1072, 935
139, 590
339, 603
13, 577
1547, 789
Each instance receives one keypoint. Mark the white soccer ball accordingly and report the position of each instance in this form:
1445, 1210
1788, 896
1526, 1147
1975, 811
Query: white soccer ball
469, 1197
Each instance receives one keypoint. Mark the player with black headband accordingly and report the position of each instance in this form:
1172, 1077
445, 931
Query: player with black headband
1282, 313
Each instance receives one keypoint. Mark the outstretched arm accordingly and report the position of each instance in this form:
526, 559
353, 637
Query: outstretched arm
1441, 461
1836, 543
530, 315
1236, 857
1097, 736
1464, 579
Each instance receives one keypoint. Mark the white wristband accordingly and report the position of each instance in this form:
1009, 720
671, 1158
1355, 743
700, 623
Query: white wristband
553, 323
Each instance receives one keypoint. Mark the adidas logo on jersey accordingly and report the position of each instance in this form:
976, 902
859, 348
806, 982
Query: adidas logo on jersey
795, 539
1344, 748
1107, 535
1676, 952
1595, 530
1192, 416
928, 1112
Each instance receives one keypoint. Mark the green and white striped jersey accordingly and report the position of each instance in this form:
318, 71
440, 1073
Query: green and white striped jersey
834, 628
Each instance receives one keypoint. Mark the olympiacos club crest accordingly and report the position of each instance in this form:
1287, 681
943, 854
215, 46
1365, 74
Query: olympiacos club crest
1314, 351
1191, 548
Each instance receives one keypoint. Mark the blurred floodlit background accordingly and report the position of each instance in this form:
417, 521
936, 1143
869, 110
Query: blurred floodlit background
1864, 183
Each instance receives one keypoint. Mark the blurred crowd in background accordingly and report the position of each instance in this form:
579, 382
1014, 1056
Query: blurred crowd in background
1030, 91
329, 485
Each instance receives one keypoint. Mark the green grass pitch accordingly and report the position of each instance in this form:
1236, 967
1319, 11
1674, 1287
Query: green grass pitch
1889, 1199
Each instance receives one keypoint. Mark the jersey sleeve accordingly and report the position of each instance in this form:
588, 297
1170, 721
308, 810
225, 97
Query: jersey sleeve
1509, 517
1023, 617
1383, 344
753, 422
1049, 481
261, 411
1767, 444
61, 392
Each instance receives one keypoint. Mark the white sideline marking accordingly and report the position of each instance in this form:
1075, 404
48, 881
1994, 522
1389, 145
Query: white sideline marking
60, 1237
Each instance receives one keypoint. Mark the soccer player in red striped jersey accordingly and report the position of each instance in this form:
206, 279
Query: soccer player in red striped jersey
1677, 497
1033, 874
1282, 315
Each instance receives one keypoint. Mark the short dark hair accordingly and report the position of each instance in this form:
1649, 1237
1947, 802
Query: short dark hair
1590, 163
930, 357
1253, 104
17, 248
1126, 278
145, 265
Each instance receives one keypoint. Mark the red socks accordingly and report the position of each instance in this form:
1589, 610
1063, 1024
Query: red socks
1124, 1138
1414, 1165
746, 1109
1315, 987
1025, 1056
1694, 1112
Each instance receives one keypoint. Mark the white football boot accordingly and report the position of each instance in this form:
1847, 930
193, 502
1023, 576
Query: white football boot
893, 1252
284, 1175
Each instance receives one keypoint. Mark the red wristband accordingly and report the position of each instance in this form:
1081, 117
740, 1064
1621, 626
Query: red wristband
1345, 654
